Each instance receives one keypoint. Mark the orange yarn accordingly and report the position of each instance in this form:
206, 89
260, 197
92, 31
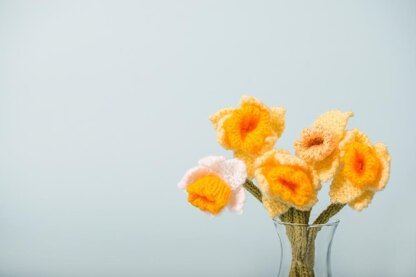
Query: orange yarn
247, 127
209, 193
361, 165
290, 183
249, 130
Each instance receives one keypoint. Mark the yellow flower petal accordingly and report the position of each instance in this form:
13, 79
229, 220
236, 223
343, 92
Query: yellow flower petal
318, 145
354, 135
222, 134
365, 170
341, 190
252, 101
384, 156
335, 121
278, 120
248, 160
326, 168
274, 207
362, 201
215, 118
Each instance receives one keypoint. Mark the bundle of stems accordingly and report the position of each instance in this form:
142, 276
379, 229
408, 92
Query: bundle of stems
301, 234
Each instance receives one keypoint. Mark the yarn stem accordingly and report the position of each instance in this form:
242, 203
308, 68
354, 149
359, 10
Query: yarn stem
253, 189
329, 212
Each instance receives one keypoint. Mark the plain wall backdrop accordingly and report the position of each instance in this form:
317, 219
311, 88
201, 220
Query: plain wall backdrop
104, 106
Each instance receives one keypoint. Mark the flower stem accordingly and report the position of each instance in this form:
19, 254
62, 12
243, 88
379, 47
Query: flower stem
298, 237
253, 189
329, 212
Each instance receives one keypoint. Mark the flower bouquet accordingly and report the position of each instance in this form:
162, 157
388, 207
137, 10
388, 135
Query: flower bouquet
287, 184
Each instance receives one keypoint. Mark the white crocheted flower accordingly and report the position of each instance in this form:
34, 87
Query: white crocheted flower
215, 183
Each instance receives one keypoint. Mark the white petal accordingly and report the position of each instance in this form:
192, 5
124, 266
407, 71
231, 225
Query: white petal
233, 172
211, 161
237, 200
193, 174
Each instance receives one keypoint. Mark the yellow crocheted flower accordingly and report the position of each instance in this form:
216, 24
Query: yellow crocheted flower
253, 128
249, 160
286, 181
318, 145
365, 169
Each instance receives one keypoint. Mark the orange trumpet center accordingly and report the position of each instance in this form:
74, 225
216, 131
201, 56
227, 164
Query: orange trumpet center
362, 167
290, 183
209, 193
247, 128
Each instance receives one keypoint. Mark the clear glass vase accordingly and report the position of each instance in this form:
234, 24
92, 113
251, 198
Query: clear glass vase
305, 249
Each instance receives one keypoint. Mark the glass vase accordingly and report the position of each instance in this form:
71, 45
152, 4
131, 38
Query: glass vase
305, 249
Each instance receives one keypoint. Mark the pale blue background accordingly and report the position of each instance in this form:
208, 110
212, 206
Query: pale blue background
104, 105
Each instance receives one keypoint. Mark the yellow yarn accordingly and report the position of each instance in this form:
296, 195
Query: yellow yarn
318, 145
273, 207
335, 121
315, 144
249, 160
209, 193
365, 169
362, 201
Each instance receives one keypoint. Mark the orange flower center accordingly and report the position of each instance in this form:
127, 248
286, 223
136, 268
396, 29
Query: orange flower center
209, 193
290, 183
247, 128
248, 123
315, 142
361, 165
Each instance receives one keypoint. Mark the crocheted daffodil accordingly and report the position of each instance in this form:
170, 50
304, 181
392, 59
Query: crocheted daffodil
250, 130
365, 169
215, 183
286, 181
318, 145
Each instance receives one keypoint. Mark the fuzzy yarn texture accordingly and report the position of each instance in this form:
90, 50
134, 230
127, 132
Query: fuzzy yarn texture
364, 170
216, 183
250, 130
209, 193
253, 189
249, 160
318, 145
286, 181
